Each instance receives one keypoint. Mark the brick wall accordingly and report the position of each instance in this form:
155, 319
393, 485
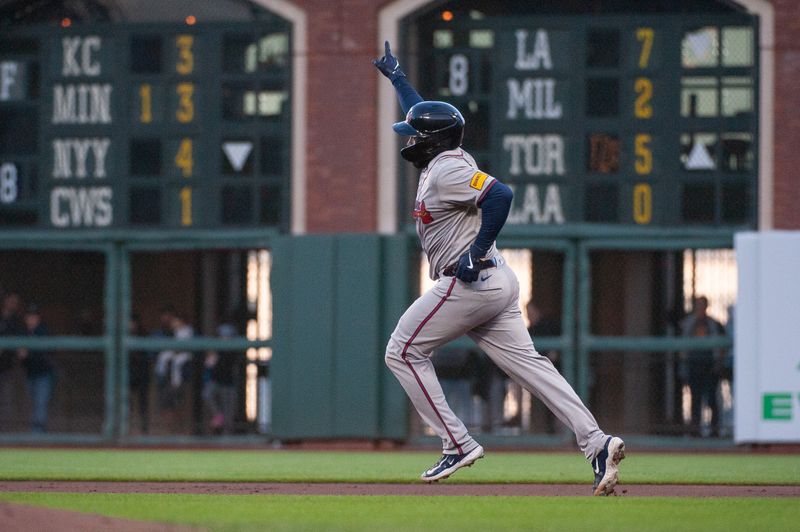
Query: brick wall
342, 118
787, 114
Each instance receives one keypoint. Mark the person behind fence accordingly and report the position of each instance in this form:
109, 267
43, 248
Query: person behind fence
164, 329
172, 368
220, 374
11, 324
40, 372
495, 385
456, 367
700, 369
139, 376
489, 387
542, 324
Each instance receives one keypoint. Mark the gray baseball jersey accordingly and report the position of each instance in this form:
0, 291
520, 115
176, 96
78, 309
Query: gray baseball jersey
448, 218
446, 208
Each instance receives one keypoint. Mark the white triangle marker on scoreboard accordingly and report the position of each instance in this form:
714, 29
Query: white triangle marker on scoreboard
699, 158
237, 153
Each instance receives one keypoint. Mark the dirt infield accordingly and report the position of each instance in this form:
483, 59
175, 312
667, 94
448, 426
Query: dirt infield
23, 518
438, 489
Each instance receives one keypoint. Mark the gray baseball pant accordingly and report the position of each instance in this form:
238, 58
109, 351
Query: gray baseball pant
488, 312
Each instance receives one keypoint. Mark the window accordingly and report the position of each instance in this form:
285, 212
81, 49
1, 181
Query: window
602, 48
145, 206
146, 54
145, 157
602, 97
699, 97
237, 204
700, 48
600, 202
697, 202
603, 153
737, 46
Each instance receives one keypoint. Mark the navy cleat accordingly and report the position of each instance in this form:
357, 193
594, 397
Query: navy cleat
450, 463
606, 466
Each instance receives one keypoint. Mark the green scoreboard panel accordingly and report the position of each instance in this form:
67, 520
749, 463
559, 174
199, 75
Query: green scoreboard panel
145, 126
627, 120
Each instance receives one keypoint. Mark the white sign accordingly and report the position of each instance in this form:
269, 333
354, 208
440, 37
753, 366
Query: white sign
767, 338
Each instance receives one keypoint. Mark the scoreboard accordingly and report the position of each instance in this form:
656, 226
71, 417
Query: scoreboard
168, 125
627, 120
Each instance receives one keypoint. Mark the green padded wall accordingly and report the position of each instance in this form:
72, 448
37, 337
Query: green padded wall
333, 296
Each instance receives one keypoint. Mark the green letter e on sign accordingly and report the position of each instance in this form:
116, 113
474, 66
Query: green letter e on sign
777, 406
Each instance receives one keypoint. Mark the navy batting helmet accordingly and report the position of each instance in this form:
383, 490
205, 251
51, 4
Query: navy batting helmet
433, 127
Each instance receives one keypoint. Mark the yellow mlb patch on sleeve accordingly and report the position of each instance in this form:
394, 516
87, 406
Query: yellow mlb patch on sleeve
478, 180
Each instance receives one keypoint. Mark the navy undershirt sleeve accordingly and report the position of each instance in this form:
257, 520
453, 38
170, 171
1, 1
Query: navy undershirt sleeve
407, 95
495, 207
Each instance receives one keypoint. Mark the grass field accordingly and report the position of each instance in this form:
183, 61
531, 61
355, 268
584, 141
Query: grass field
282, 512
398, 513
306, 466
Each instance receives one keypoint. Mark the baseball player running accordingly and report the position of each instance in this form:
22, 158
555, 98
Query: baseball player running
459, 212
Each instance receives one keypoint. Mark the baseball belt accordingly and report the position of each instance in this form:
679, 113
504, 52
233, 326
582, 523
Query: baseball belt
450, 271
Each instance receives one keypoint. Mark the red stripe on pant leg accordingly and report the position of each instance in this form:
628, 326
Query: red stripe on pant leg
419, 381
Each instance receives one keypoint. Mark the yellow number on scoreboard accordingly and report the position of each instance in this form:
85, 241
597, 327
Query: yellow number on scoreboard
644, 155
184, 158
645, 36
644, 93
146, 103
185, 63
186, 206
185, 111
642, 203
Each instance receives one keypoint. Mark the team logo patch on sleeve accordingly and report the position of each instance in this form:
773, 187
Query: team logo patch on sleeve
478, 180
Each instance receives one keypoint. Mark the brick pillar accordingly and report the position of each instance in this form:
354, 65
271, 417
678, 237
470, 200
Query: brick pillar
342, 115
787, 114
